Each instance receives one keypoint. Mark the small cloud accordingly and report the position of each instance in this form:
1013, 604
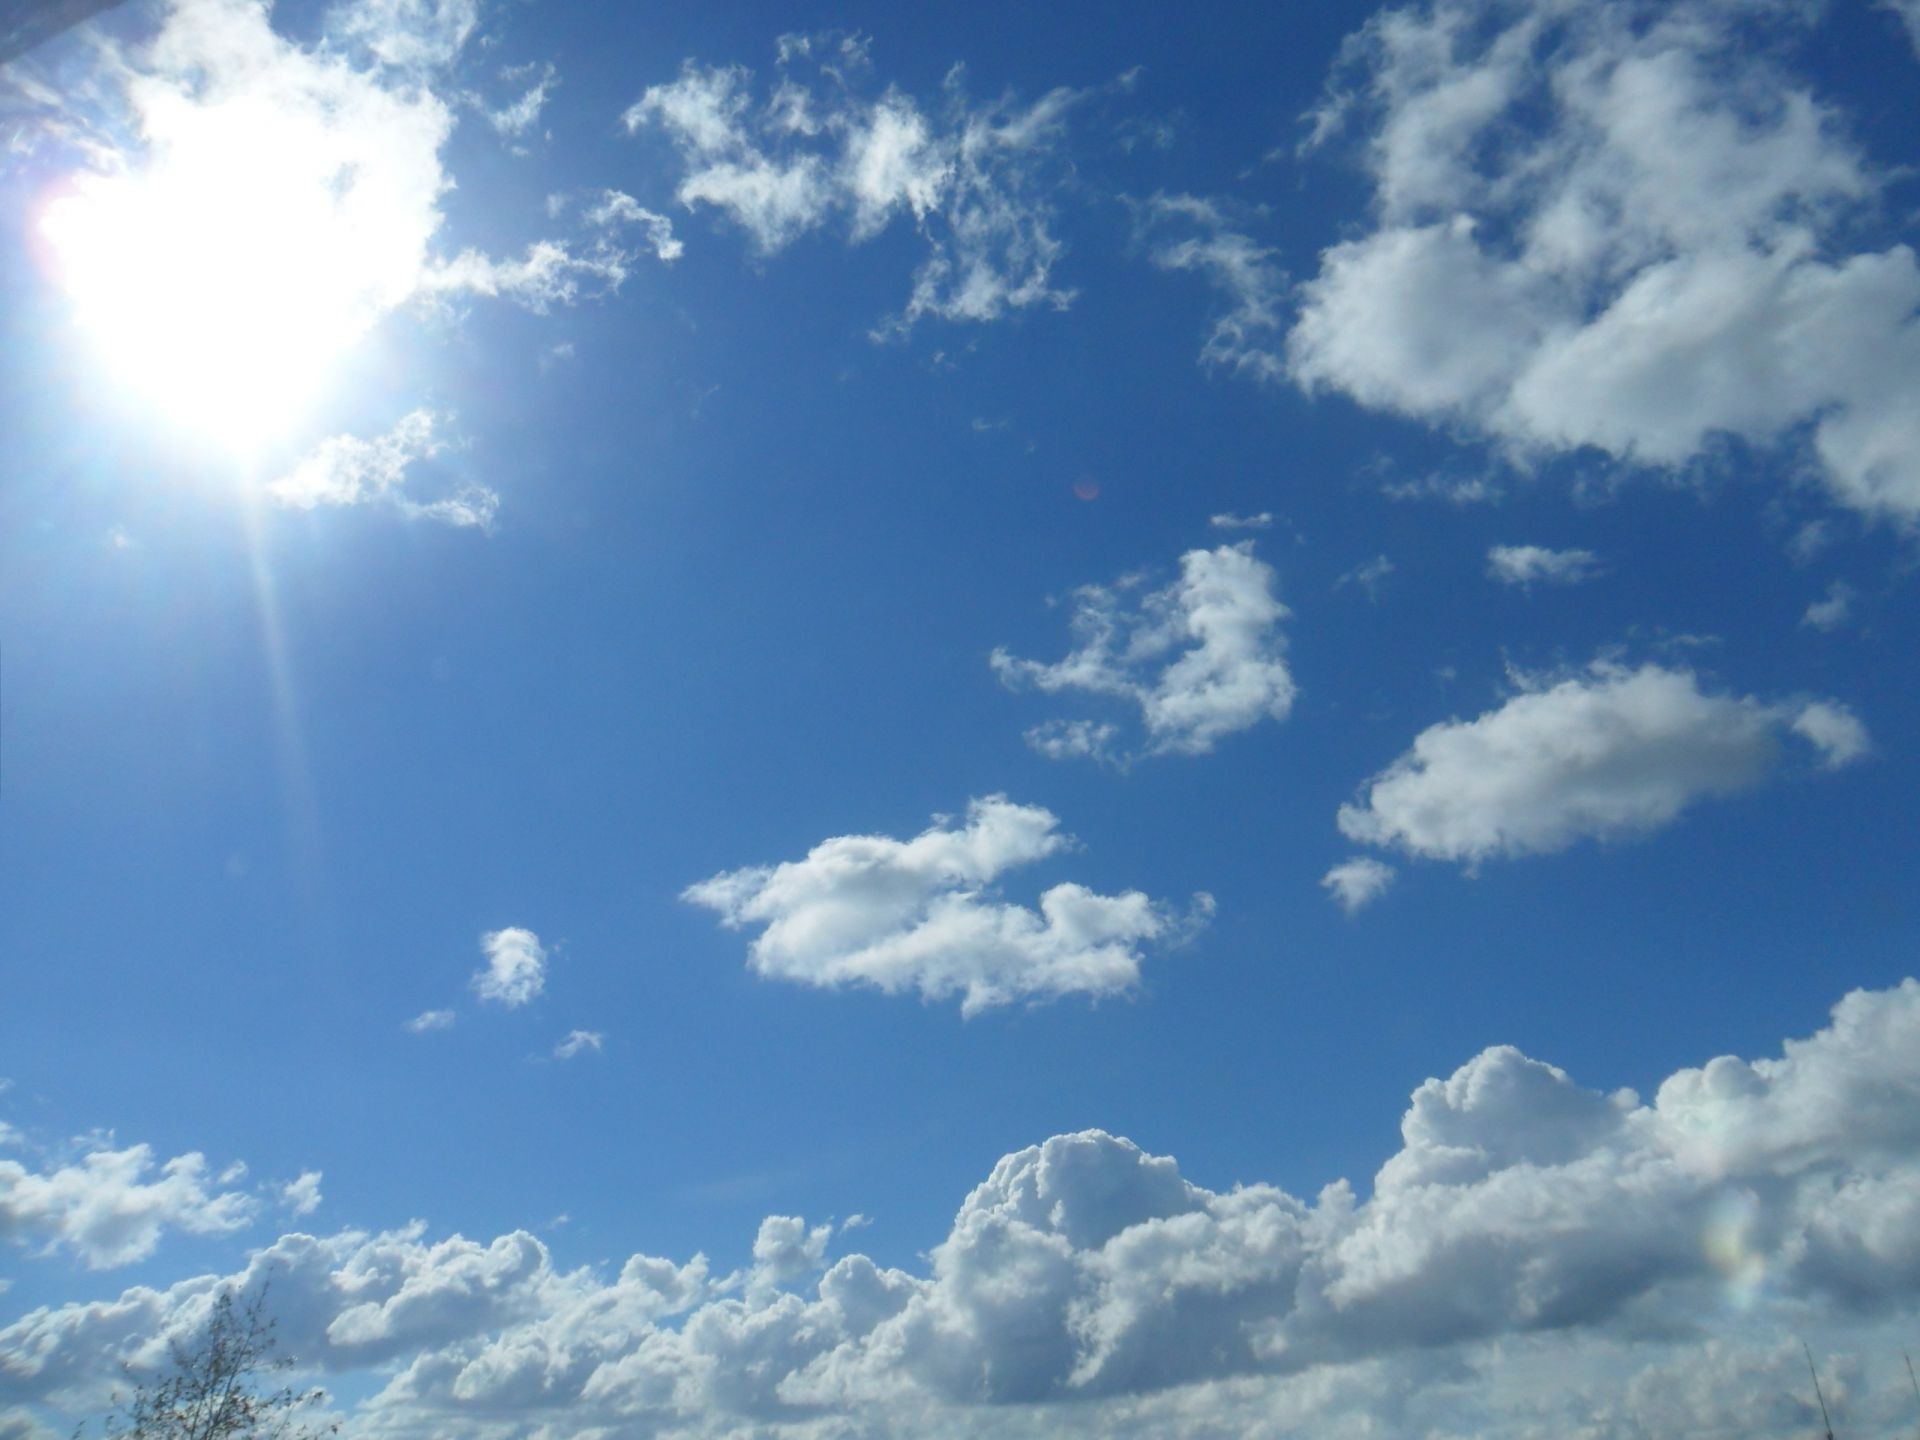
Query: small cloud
1832, 612
118, 539
347, 470
302, 1196
1368, 577
431, 1020
1229, 521
578, 1041
1357, 883
1833, 730
615, 208
1537, 565
516, 968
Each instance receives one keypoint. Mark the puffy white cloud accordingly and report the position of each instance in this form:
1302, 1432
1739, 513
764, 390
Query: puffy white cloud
302, 1196
921, 915
1607, 753
1536, 1258
578, 1042
109, 1207
1190, 233
971, 177
516, 968
1537, 565
1622, 227
1358, 882
431, 1020
347, 470
1202, 658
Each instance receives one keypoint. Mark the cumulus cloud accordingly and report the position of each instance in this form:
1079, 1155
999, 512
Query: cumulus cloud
922, 915
1604, 754
516, 968
431, 1020
578, 1042
1358, 882
347, 470
1537, 565
1620, 1266
1626, 228
1909, 13
110, 1207
1186, 232
1202, 658
972, 178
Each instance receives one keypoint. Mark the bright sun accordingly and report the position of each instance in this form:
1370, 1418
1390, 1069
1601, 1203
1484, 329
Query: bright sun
224, 280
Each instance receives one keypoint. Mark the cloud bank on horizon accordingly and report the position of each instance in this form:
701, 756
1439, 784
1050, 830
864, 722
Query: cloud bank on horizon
1521, 1210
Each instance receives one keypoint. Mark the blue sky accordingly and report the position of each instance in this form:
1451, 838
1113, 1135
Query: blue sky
802, 722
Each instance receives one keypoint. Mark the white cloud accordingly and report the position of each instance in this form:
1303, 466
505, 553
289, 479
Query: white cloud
431, 1020
1593, 228
615, 207
407, 34
1203, 658
1537, 565
516, 968
347, 470
1229, 521
302, 1196
1358, 882
1607, 753
108, 1207
523, 114
921, 915
578, 1042
1832, 611
1247, 337
971, 177
1536, 1258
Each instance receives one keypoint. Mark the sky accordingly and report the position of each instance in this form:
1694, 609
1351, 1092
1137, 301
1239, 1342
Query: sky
820, 722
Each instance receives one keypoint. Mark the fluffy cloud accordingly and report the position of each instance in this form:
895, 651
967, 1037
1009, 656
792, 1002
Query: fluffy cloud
1594, 229
1202, 658
516, 968
347, 470
1603, 754
1536, 1258
109, 1207
921, 915
1537, 565
1358, 882
970, 177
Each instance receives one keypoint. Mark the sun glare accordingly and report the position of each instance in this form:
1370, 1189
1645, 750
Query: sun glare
224, 281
